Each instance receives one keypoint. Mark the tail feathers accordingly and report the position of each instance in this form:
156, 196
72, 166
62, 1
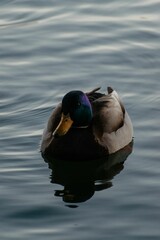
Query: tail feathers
119, 100
93, 91
110, 90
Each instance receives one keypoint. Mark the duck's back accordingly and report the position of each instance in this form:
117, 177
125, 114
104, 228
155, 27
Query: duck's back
112, 126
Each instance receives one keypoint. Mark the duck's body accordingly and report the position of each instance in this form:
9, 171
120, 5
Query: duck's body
89, 125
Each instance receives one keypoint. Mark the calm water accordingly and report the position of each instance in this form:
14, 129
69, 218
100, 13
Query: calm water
46, 49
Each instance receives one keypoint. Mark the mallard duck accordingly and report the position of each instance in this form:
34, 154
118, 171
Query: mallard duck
87, 125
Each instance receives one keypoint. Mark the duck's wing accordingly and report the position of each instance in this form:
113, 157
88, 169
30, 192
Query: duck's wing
52, 123
108, 113
112, 126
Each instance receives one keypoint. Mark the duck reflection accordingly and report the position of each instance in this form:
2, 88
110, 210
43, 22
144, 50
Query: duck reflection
81, 179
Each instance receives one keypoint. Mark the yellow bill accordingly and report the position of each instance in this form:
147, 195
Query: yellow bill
64, 125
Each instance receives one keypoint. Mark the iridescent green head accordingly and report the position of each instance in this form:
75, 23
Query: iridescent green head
76, 111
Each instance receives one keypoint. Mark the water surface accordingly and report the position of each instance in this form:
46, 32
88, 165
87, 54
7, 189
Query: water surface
49, 48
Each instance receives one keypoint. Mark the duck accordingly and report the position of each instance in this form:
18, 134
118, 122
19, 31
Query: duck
87, 125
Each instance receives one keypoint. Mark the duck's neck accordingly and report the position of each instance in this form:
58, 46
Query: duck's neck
83, 116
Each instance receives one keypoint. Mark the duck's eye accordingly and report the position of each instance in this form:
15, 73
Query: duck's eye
78, 104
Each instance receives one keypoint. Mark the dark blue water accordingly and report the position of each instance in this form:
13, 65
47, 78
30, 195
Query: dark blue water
48, 48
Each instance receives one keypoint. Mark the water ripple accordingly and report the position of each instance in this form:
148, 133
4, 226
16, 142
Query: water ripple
46, 49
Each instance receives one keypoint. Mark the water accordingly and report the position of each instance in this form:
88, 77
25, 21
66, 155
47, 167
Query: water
46, 49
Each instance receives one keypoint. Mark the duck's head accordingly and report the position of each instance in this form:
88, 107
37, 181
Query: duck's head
76, 112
